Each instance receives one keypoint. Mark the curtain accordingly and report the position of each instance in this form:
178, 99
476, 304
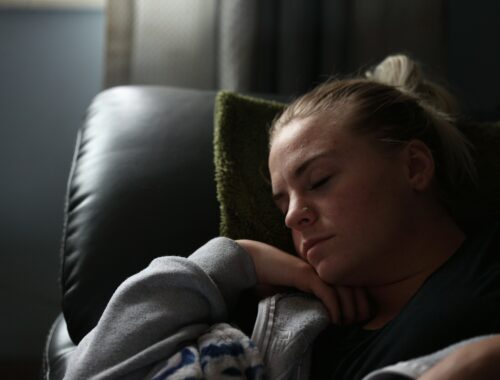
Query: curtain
170, 42
264, 46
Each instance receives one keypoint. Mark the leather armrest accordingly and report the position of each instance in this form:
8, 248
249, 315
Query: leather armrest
57, 350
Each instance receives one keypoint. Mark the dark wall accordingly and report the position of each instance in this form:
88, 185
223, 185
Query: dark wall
50, 68
474, 55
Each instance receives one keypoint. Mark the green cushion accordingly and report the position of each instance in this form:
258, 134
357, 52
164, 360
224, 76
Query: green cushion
242, 176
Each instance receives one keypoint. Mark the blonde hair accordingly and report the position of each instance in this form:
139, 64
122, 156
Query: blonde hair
394, 103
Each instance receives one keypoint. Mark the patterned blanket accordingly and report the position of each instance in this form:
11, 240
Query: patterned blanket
223, 352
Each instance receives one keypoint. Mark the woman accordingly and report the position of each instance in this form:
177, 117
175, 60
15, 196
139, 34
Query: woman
361, 170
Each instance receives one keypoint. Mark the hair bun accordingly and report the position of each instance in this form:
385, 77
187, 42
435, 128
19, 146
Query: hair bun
398, 71
406, 75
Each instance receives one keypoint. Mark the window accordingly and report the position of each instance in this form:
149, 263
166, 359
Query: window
54, 4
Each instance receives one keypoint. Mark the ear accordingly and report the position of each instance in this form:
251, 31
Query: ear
420, 165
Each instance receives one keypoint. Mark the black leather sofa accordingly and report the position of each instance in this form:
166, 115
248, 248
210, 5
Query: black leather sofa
141, 186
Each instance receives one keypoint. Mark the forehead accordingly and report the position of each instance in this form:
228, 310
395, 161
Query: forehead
303, 139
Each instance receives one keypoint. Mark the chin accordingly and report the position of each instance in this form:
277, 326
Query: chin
328, 275
335, 274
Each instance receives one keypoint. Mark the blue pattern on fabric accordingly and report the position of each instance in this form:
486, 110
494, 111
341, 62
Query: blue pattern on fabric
187, 358
221, 353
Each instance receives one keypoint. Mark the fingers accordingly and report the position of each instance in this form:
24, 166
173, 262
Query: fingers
330, 299
341, 305
345, 305
274, 267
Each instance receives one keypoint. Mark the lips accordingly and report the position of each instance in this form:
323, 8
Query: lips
310, 243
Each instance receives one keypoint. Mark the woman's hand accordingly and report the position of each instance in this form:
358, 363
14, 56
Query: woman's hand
477, 360
275, 267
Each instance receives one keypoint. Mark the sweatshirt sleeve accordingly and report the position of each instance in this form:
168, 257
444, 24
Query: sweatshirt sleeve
161, 309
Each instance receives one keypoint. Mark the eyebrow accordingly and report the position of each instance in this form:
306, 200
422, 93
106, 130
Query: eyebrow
299, 171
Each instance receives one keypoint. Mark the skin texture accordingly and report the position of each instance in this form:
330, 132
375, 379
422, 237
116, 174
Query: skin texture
373, 213
367, 229
345, 305
349, 194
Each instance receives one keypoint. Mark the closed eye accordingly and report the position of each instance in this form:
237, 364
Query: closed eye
320, 183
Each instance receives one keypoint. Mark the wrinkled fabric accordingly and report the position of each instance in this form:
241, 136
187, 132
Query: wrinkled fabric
223, 352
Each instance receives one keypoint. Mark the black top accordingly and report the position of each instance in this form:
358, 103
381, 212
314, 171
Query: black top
458, 301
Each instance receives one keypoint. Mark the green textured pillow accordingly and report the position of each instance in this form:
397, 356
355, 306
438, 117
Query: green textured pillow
242, 176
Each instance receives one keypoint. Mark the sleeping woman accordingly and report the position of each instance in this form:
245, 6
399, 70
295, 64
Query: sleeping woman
386, 280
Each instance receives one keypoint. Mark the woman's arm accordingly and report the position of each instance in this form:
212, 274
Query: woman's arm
161, 309
277, 268
174, 300
472, 361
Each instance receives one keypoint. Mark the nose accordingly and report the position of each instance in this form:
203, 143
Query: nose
299, 216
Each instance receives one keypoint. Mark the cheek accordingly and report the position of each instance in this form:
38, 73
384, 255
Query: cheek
368, 192
349, 202
356, 210
371, 207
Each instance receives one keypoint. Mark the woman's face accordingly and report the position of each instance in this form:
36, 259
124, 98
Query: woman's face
346, 204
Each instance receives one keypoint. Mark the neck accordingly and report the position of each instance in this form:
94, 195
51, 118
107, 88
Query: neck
434, 246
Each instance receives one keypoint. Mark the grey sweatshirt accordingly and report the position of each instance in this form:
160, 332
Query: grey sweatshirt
165, 307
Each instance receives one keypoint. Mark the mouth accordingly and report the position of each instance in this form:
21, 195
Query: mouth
308, 244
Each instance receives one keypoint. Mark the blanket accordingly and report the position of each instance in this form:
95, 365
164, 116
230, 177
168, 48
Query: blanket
223, 352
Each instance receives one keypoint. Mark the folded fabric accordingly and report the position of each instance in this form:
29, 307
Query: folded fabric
223, 352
